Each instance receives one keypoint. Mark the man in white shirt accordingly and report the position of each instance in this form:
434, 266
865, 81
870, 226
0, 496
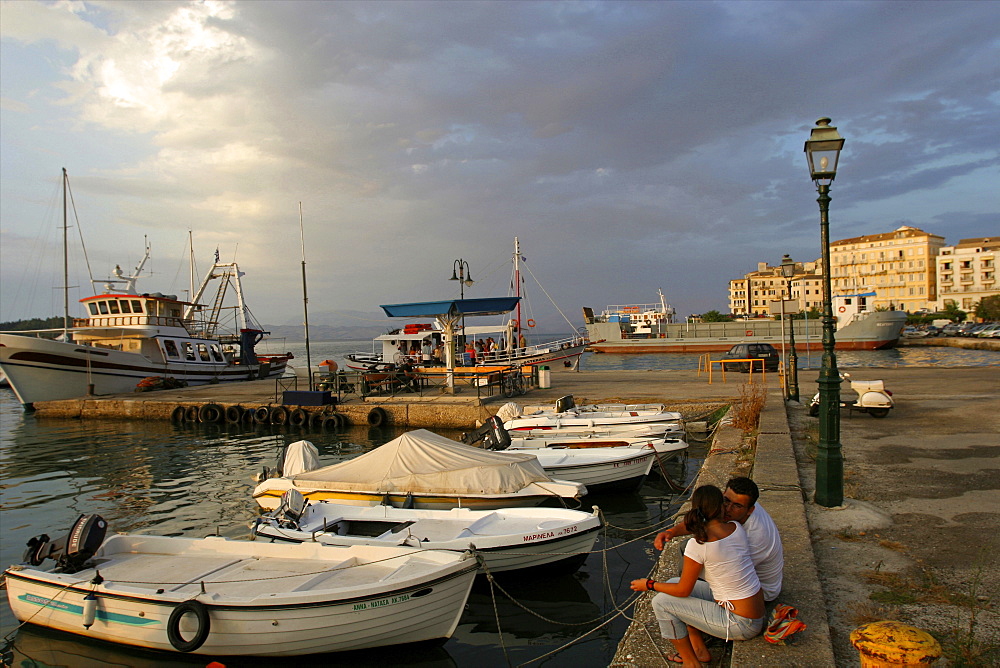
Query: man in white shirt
740, 505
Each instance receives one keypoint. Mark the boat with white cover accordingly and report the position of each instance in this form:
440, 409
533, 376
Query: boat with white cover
506, 539
220, 597
421, 469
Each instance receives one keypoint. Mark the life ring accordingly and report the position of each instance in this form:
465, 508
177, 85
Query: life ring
842, 309
279, 415
531, 323
178, 414
261, 415
515, 323
199, 610
298, 417
191, 414
210, 413
376, 417
749, 332
234, 414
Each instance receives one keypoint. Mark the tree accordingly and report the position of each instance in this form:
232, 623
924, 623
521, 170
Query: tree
715, 316
952, 312
988, 308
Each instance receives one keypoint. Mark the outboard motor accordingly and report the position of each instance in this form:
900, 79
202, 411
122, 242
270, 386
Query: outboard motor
71, 551
496, 437
292, 505
564, 404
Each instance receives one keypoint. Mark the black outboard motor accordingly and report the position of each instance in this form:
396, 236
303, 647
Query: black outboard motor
496, 437
563, 404
71, 551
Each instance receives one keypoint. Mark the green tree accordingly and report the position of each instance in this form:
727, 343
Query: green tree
988, 308
715, 316
952, 312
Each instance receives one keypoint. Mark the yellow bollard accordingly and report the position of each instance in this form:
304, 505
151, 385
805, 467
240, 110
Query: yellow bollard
885, 644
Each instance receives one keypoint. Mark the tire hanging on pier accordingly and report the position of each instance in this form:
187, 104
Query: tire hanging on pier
210, 413
234, 414
279, 415
331, 422
191, 414
377, 417
178, 414
261, 415
298, 417
200, 612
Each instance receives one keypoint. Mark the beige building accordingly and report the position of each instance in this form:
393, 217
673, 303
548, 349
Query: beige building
899, 266
753, 293
967, 272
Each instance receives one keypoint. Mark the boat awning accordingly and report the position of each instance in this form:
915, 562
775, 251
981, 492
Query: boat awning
452, 308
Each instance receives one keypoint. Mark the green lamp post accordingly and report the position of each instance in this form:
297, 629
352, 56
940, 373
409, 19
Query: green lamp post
823, 151
788, 271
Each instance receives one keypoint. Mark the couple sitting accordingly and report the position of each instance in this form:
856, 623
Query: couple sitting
736, 548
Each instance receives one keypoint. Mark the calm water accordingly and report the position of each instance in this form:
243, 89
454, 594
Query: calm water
166, 479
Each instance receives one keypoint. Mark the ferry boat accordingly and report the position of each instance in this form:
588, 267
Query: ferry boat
649, 328
128, 337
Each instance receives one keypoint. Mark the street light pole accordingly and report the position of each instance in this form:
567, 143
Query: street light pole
788, 271
460, 272
823, 151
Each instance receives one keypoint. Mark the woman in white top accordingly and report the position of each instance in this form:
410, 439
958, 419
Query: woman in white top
728, 603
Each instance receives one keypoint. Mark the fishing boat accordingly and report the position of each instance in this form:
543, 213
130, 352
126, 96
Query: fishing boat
649, 328
220, 597
423, 470
507, 539
414, 343
128, 337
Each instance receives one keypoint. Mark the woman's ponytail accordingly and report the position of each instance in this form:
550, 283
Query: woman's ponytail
706, 505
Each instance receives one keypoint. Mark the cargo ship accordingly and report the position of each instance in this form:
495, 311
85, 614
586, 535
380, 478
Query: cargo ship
649, 328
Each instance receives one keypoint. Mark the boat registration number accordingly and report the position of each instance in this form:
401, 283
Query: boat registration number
382, 602
550, 534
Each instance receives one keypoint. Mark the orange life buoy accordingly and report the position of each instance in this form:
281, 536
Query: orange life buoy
514, 322
749, 332
842, 309
531, 323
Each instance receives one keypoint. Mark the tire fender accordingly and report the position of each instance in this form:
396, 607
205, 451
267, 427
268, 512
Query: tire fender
210, 413
298, 417
191, 414
279, 415
261, 415
199, 610
234, 414
179, 414
377, 417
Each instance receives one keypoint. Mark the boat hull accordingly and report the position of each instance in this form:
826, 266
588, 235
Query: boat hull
602, 470
507, 540
46, 370
249, 614
876, 331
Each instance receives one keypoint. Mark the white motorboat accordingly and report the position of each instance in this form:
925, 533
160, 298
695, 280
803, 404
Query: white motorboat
662, 445
506, 539
218, 597
127, 338
600, 469
601, 416
423, 470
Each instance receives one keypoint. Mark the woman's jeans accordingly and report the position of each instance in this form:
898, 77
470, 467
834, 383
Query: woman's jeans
702, 612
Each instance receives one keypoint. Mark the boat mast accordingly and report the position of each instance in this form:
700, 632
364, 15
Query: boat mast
65, 261
191, 265
517, 291
305, 299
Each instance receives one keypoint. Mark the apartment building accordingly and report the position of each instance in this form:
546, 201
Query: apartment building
899, 266
966, 272
752, 294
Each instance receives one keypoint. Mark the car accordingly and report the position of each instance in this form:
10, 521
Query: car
951, 329
745, 351
989, 331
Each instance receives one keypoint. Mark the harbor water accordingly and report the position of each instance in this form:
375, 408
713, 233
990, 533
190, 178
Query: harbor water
195, 480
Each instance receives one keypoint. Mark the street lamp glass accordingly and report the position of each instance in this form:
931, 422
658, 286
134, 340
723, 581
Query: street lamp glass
787, 266
823, 152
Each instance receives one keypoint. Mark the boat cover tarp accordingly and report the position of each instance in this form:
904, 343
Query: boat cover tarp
421, 461
452, 307
300, 456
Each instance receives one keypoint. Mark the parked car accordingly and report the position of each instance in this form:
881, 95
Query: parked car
951, 330
744, 351
989, 331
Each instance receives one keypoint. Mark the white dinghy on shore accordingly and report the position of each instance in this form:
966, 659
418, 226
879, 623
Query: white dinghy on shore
219, 597
507, 539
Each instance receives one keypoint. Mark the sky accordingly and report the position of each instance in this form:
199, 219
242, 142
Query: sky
630, 146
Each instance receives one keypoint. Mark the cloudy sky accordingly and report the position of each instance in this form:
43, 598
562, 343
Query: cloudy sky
630, 146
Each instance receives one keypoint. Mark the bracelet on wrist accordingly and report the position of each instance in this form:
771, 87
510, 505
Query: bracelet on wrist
649, 584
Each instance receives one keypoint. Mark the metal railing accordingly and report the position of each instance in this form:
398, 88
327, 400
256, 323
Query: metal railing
483, 383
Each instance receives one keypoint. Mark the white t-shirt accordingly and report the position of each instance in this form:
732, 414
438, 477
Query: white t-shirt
728, 569
765, 551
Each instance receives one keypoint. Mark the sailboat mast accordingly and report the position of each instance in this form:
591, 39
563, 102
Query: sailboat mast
305, 298
65, 260
517, 289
